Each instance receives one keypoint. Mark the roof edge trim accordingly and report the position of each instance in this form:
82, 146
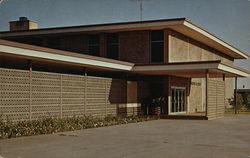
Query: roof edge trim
64, 58
215, 38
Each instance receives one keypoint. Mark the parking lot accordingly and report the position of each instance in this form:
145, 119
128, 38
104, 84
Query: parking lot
228, 137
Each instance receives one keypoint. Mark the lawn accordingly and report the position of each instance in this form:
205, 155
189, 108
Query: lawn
231, 111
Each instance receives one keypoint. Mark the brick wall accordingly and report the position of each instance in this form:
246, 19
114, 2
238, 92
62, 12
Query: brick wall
134, 46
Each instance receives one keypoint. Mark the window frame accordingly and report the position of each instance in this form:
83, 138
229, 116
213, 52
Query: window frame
94, 44
156, 41
183, 100
117, 43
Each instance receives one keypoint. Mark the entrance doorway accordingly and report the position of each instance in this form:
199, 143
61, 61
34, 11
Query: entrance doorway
178, 100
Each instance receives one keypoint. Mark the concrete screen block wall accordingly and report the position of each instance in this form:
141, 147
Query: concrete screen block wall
32, 95
185, 49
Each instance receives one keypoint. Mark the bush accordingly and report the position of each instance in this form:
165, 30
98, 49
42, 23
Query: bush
243, 102
52, 125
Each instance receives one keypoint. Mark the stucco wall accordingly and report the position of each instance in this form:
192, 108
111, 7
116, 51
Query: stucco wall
184, 49
197, 95
197, 98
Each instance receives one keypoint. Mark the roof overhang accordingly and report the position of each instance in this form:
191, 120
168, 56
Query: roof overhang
181, 25
40, 53
192, 69
183, 69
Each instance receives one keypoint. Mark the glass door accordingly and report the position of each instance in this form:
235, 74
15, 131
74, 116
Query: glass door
178, 100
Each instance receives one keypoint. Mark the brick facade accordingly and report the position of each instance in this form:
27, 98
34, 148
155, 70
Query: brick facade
134, 46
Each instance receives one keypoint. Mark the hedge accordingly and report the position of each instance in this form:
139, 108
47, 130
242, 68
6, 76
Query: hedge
53, 125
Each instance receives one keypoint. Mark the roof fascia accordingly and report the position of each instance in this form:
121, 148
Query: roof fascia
232, 70
214, 38
102, 28
192, 66
63, 58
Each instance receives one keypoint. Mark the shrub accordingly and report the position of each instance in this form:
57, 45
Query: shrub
52, 125
242, 102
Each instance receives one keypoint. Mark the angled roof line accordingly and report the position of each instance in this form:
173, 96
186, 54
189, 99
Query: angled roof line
93, 25
178, 24
19, 49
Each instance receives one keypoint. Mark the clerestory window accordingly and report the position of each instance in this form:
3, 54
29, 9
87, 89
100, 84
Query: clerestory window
157, 46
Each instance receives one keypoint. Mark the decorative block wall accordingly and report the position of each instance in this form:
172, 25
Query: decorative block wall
34, 95
216, 99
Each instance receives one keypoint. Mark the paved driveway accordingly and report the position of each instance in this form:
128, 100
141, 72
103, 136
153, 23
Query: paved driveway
223, 138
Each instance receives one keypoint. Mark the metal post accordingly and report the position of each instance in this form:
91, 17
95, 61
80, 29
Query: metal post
106, 97
30, 89
85, 90
207, 76
61, 96
235, 96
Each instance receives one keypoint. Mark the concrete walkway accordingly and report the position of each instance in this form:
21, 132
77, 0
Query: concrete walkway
228, 137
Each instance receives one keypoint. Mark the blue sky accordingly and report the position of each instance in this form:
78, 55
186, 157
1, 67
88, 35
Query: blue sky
228, 19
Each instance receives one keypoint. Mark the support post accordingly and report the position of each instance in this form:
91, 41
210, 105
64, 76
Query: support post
61, 96
30, 89
224, 80
106, 97
235, 96
207, 76
85, 90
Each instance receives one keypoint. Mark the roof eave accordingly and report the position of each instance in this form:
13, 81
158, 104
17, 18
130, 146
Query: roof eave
188, 27
189, 67
34, 52
238, 54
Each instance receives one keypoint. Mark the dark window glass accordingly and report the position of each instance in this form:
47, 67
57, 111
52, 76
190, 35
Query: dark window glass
157, 52
94, 39
94, 45
112, 51
112, 38
53, 42
157, 35
94, 50
112, 46
37, 42
157, 46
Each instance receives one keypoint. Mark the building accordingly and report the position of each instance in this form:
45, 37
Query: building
113, 68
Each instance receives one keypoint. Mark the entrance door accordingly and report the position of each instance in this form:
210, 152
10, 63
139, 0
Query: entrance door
178, 100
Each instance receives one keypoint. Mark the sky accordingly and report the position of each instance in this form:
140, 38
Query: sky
228, 19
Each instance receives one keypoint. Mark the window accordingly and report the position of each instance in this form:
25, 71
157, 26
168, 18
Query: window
178, 99
113, 46
53, 42
94, 45
157, 46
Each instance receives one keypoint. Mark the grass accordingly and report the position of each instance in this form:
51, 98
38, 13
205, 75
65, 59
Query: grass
231, 111
53, 125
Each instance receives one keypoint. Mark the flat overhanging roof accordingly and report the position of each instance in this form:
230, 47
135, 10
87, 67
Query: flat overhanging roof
181, 25
26, 51
183, 69
192, 69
